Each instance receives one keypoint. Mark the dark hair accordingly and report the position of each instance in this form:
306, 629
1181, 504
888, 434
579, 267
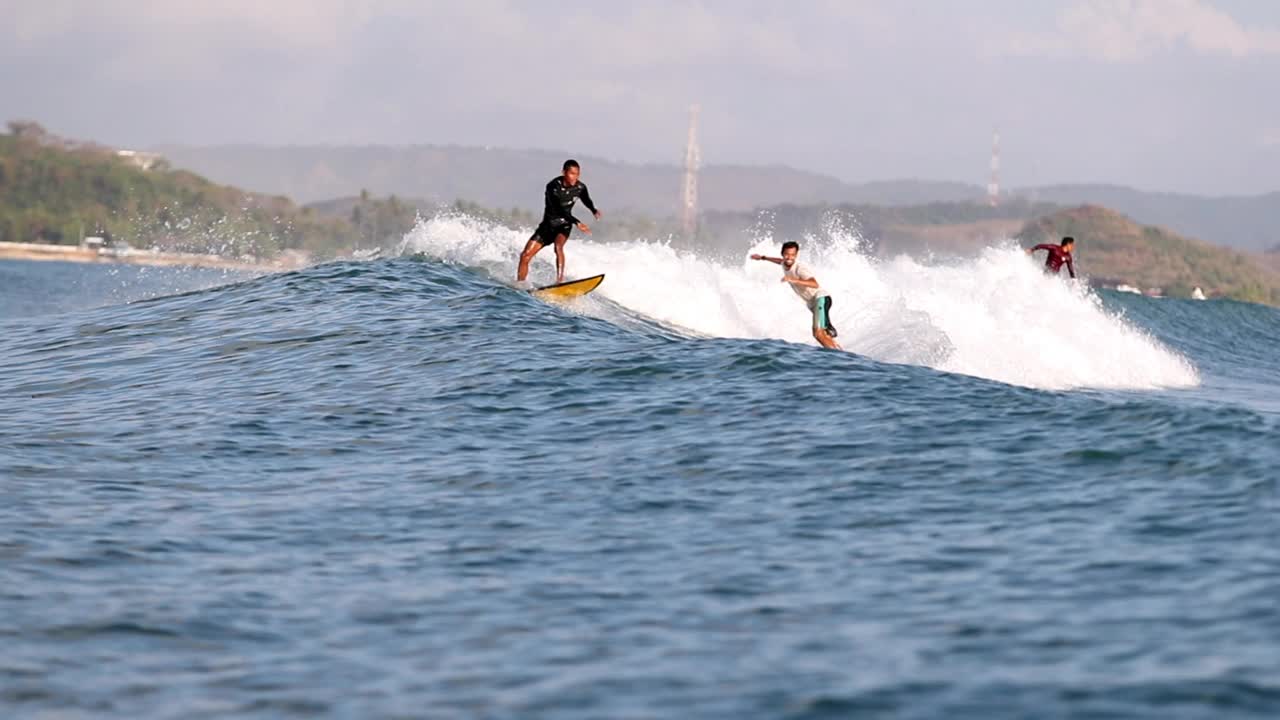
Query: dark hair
1068, 240
790, 244
570, 164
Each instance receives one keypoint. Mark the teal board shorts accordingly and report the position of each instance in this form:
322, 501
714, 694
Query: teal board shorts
822, 315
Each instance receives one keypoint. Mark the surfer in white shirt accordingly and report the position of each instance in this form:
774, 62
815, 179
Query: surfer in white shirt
806, 286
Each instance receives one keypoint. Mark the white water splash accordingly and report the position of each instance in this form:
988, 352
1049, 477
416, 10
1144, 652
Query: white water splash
995, 316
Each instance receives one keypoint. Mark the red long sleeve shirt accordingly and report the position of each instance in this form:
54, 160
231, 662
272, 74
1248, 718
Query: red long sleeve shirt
1057, 258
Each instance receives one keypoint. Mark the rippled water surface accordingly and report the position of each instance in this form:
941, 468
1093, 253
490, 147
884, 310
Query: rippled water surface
400, 488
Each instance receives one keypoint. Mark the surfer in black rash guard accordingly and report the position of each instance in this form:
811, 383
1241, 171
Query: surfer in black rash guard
557, 219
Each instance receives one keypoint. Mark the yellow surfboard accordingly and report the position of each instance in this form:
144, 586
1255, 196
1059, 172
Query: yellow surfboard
570, 289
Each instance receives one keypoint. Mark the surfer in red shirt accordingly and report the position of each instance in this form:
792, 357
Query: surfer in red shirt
1058, 256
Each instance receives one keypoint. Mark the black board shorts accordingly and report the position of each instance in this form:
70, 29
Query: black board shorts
546, 233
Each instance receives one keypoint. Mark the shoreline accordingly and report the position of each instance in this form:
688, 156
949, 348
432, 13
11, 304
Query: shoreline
76, 253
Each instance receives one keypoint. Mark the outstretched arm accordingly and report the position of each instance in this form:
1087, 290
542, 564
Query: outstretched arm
775, 261
1071, 268
1040, 247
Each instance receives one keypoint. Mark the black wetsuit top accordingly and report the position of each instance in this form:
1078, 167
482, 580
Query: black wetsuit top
559, 204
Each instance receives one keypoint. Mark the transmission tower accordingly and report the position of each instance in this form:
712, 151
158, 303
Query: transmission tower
993, 186
689, 194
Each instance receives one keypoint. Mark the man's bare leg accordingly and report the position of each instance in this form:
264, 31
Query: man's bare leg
825, 340
560, 241
531, 248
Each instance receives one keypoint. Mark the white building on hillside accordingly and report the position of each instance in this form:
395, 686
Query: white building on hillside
144, 160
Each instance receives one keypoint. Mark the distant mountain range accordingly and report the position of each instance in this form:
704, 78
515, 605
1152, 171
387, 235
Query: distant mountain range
504, 178
514, 178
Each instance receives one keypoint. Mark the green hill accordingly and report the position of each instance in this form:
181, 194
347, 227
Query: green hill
1247, 222
1113, 248
57, 191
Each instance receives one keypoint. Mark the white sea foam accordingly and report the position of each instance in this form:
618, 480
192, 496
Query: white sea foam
994, 316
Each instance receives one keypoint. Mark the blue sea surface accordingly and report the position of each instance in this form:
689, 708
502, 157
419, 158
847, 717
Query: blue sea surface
400, 488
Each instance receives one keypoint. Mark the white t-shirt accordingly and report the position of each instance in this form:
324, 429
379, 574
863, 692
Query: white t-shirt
800, 272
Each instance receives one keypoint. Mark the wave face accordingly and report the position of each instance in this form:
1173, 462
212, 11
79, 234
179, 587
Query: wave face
987, 317
363, 489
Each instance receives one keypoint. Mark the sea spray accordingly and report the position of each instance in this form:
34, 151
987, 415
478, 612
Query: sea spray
993, 316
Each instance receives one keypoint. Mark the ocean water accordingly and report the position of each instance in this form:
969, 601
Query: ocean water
400, 488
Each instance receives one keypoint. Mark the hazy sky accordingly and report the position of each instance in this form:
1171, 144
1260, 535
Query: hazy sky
1162, 94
